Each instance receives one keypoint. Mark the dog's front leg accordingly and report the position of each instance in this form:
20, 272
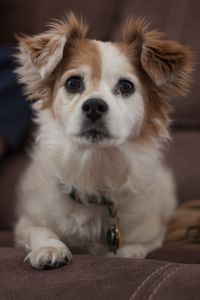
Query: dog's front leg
136, 250
46, 250
139, 242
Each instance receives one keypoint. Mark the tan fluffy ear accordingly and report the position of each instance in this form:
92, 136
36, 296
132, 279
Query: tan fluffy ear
39, 55
167, 63
45, 51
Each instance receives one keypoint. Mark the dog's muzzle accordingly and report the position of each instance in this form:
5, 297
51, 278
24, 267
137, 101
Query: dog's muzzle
93, 127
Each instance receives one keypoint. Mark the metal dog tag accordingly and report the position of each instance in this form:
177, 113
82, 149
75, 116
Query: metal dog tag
113, 237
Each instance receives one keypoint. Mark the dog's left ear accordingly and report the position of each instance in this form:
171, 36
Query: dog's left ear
167, 63
39, 55
46, 50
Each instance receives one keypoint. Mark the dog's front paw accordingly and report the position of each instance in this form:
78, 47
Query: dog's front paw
49, 257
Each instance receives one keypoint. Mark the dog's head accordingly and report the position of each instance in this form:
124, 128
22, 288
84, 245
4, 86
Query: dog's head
102, 92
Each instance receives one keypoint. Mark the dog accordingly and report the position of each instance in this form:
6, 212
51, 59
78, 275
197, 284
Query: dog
97, 182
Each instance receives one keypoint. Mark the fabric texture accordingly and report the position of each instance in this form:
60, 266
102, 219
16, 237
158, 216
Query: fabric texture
89, 277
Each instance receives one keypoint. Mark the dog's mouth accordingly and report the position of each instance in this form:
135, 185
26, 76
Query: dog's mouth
95, 133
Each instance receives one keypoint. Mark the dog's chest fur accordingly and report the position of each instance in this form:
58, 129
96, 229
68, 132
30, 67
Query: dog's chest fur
85, 224
81, 226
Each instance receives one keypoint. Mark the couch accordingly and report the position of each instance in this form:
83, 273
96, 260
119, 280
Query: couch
171, 272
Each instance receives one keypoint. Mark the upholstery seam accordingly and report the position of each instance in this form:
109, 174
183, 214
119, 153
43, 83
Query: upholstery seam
143, 283
165, 278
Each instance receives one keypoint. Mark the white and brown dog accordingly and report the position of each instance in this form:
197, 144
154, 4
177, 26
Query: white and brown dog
96, 182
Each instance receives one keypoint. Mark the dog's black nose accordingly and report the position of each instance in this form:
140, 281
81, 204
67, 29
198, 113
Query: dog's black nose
94, 108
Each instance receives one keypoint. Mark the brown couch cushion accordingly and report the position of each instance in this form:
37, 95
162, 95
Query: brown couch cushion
89, 277
184, 159
6, 238
178, 253
15, 16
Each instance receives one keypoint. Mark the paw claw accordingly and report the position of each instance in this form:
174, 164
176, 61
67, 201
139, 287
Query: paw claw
49, 257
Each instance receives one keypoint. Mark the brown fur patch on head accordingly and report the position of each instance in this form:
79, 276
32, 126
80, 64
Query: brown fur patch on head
39, 55
83, 52
164, 69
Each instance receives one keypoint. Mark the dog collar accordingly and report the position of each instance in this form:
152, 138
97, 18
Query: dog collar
113, 235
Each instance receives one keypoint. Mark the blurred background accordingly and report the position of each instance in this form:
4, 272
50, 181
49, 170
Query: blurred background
180, 19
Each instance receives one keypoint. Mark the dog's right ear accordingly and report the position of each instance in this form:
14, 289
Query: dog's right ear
168, 64
39, 55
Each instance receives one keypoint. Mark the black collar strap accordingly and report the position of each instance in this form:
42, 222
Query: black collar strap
113, 236
93, 199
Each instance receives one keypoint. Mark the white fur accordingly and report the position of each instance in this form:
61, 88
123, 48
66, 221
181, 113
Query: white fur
131, 174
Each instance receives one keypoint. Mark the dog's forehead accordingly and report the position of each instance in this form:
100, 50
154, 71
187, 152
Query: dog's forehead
103, 58
113, 60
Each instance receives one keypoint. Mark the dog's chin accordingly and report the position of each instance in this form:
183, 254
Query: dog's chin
95, 136
99, 137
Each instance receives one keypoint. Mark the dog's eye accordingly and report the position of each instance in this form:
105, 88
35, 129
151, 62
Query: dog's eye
74, 84
125, 87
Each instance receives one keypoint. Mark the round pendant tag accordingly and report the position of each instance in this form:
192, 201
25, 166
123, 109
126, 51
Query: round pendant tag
113, 237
